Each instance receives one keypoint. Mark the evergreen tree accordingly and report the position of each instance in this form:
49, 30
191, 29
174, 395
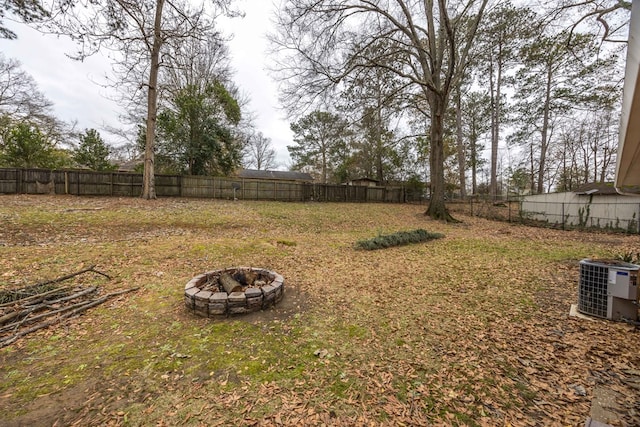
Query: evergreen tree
26, 10
320, 144
93, 152
25, 146
195, 134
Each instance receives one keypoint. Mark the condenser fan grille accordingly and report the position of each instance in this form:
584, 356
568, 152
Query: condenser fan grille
592, 292
608, 288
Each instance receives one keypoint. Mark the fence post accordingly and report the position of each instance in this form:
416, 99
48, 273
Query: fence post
638, 218
19, 179
563, 216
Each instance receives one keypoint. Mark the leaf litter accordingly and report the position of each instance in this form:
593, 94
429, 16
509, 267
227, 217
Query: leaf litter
472, 329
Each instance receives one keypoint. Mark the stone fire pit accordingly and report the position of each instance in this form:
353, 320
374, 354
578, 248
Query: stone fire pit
233, 291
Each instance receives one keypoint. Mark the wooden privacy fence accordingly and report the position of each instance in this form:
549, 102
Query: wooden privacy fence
122, 184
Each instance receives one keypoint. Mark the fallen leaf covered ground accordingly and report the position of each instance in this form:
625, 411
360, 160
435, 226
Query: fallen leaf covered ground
470, 329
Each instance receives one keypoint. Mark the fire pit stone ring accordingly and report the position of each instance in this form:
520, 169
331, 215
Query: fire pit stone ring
234, 290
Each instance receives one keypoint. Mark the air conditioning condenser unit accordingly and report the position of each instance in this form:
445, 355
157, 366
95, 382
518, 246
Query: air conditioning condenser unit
608, 289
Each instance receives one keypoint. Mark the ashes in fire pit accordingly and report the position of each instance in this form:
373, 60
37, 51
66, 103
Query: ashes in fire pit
233, 291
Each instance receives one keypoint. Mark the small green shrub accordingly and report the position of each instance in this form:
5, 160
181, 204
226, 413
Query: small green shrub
397, 239
631, 257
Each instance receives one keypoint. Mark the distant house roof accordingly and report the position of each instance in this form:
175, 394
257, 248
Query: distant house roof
601, 188
129, 166
275, 175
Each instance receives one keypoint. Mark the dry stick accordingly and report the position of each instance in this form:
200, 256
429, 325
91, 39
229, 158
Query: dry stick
20, 323
82, 209
63, 309
85, 291
51, 313
8, 317
8, 341
91, 268
30, 309
100, 272
35, 297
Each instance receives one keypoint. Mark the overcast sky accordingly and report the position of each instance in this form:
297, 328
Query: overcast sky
74, 87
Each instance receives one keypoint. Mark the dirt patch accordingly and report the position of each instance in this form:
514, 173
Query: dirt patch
295, 302
57, 408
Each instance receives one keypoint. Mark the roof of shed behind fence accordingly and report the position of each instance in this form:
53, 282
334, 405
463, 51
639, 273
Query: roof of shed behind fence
600, 188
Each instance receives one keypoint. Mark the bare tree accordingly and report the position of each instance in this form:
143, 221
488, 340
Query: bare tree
20, 97
610, 16
197, 62
138, 32
21, 101
260, 153
374, 99
425, 43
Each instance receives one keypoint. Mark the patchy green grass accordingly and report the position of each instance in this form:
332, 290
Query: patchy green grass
467, 330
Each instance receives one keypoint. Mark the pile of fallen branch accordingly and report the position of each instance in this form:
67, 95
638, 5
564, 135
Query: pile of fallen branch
31, 308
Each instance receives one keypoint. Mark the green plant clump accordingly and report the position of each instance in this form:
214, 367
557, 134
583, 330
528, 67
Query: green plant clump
630, 257
397, 239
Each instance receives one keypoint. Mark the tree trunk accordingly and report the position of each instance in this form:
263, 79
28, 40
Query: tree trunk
545, 131
148, 179
379, 152
379, 148
437, 208
474, 171
461, 153
532, 170
565, 186
324, 164
473, 139
495, 101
